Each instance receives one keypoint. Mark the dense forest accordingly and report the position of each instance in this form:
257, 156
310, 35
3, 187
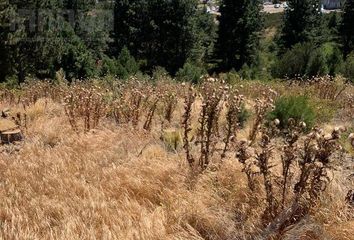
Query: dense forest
88, 38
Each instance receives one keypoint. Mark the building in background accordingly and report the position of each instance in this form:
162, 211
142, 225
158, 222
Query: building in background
332, 4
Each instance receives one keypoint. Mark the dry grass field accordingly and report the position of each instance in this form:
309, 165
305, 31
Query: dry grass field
169, 161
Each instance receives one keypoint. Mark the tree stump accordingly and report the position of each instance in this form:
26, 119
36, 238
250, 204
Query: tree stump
11, 136
9, 132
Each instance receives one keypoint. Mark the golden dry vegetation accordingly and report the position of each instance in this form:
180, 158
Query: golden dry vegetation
164, 160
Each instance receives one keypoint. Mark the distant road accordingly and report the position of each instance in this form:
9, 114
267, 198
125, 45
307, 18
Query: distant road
272, 9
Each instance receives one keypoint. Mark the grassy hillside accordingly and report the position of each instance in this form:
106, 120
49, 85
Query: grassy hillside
106, 160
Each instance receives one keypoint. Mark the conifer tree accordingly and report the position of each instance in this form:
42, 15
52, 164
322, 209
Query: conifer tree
161, 33
239, 33
347, 27
4, 37
302, 23
11, 33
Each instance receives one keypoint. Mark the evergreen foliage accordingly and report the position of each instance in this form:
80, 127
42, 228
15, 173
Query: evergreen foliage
87, 38
308, 60
347, 27
190, 73
297, 108
163, 33
302, 23
349, 67
238, 34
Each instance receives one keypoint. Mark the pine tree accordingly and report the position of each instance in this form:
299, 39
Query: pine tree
4, 36
42, 43
42, 40
239, 33
302, 22
11, 32
347, 27
159, 32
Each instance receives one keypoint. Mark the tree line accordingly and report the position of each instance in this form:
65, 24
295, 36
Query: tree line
88, 38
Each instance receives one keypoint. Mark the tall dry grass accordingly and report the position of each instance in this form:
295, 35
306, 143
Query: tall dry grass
120, 181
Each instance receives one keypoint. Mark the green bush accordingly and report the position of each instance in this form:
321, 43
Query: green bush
293, 62
128, 62
317, 64
109, 66
11, 82
160, 74
231, 77
77, 61
295, 107
190, 73
123, 67
349, 67
246, 72
308, 60
334, 57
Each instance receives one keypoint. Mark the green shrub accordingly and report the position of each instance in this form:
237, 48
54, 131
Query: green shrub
77, 61
123, 67
231, 77
190, 73
160, 74
317, 64
333, 56
109, 66
128, 62
11, 82
295, 107
293, 62
349, 67
308, 60
246, 72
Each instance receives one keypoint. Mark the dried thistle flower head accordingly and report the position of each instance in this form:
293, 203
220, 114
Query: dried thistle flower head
303, 125
328, 137
351, 136
276, 122
351, 139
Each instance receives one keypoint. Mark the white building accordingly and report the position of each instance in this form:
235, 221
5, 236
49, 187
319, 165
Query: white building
332, 4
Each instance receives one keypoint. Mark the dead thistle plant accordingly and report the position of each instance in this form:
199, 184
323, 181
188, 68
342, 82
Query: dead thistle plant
186, 123
262, 106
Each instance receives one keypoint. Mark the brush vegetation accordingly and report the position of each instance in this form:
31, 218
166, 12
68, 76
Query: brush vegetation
166, 160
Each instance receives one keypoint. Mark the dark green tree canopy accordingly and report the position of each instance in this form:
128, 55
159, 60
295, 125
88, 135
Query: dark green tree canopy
302, 22
162, 33
347, 27
42, 39
239, 33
